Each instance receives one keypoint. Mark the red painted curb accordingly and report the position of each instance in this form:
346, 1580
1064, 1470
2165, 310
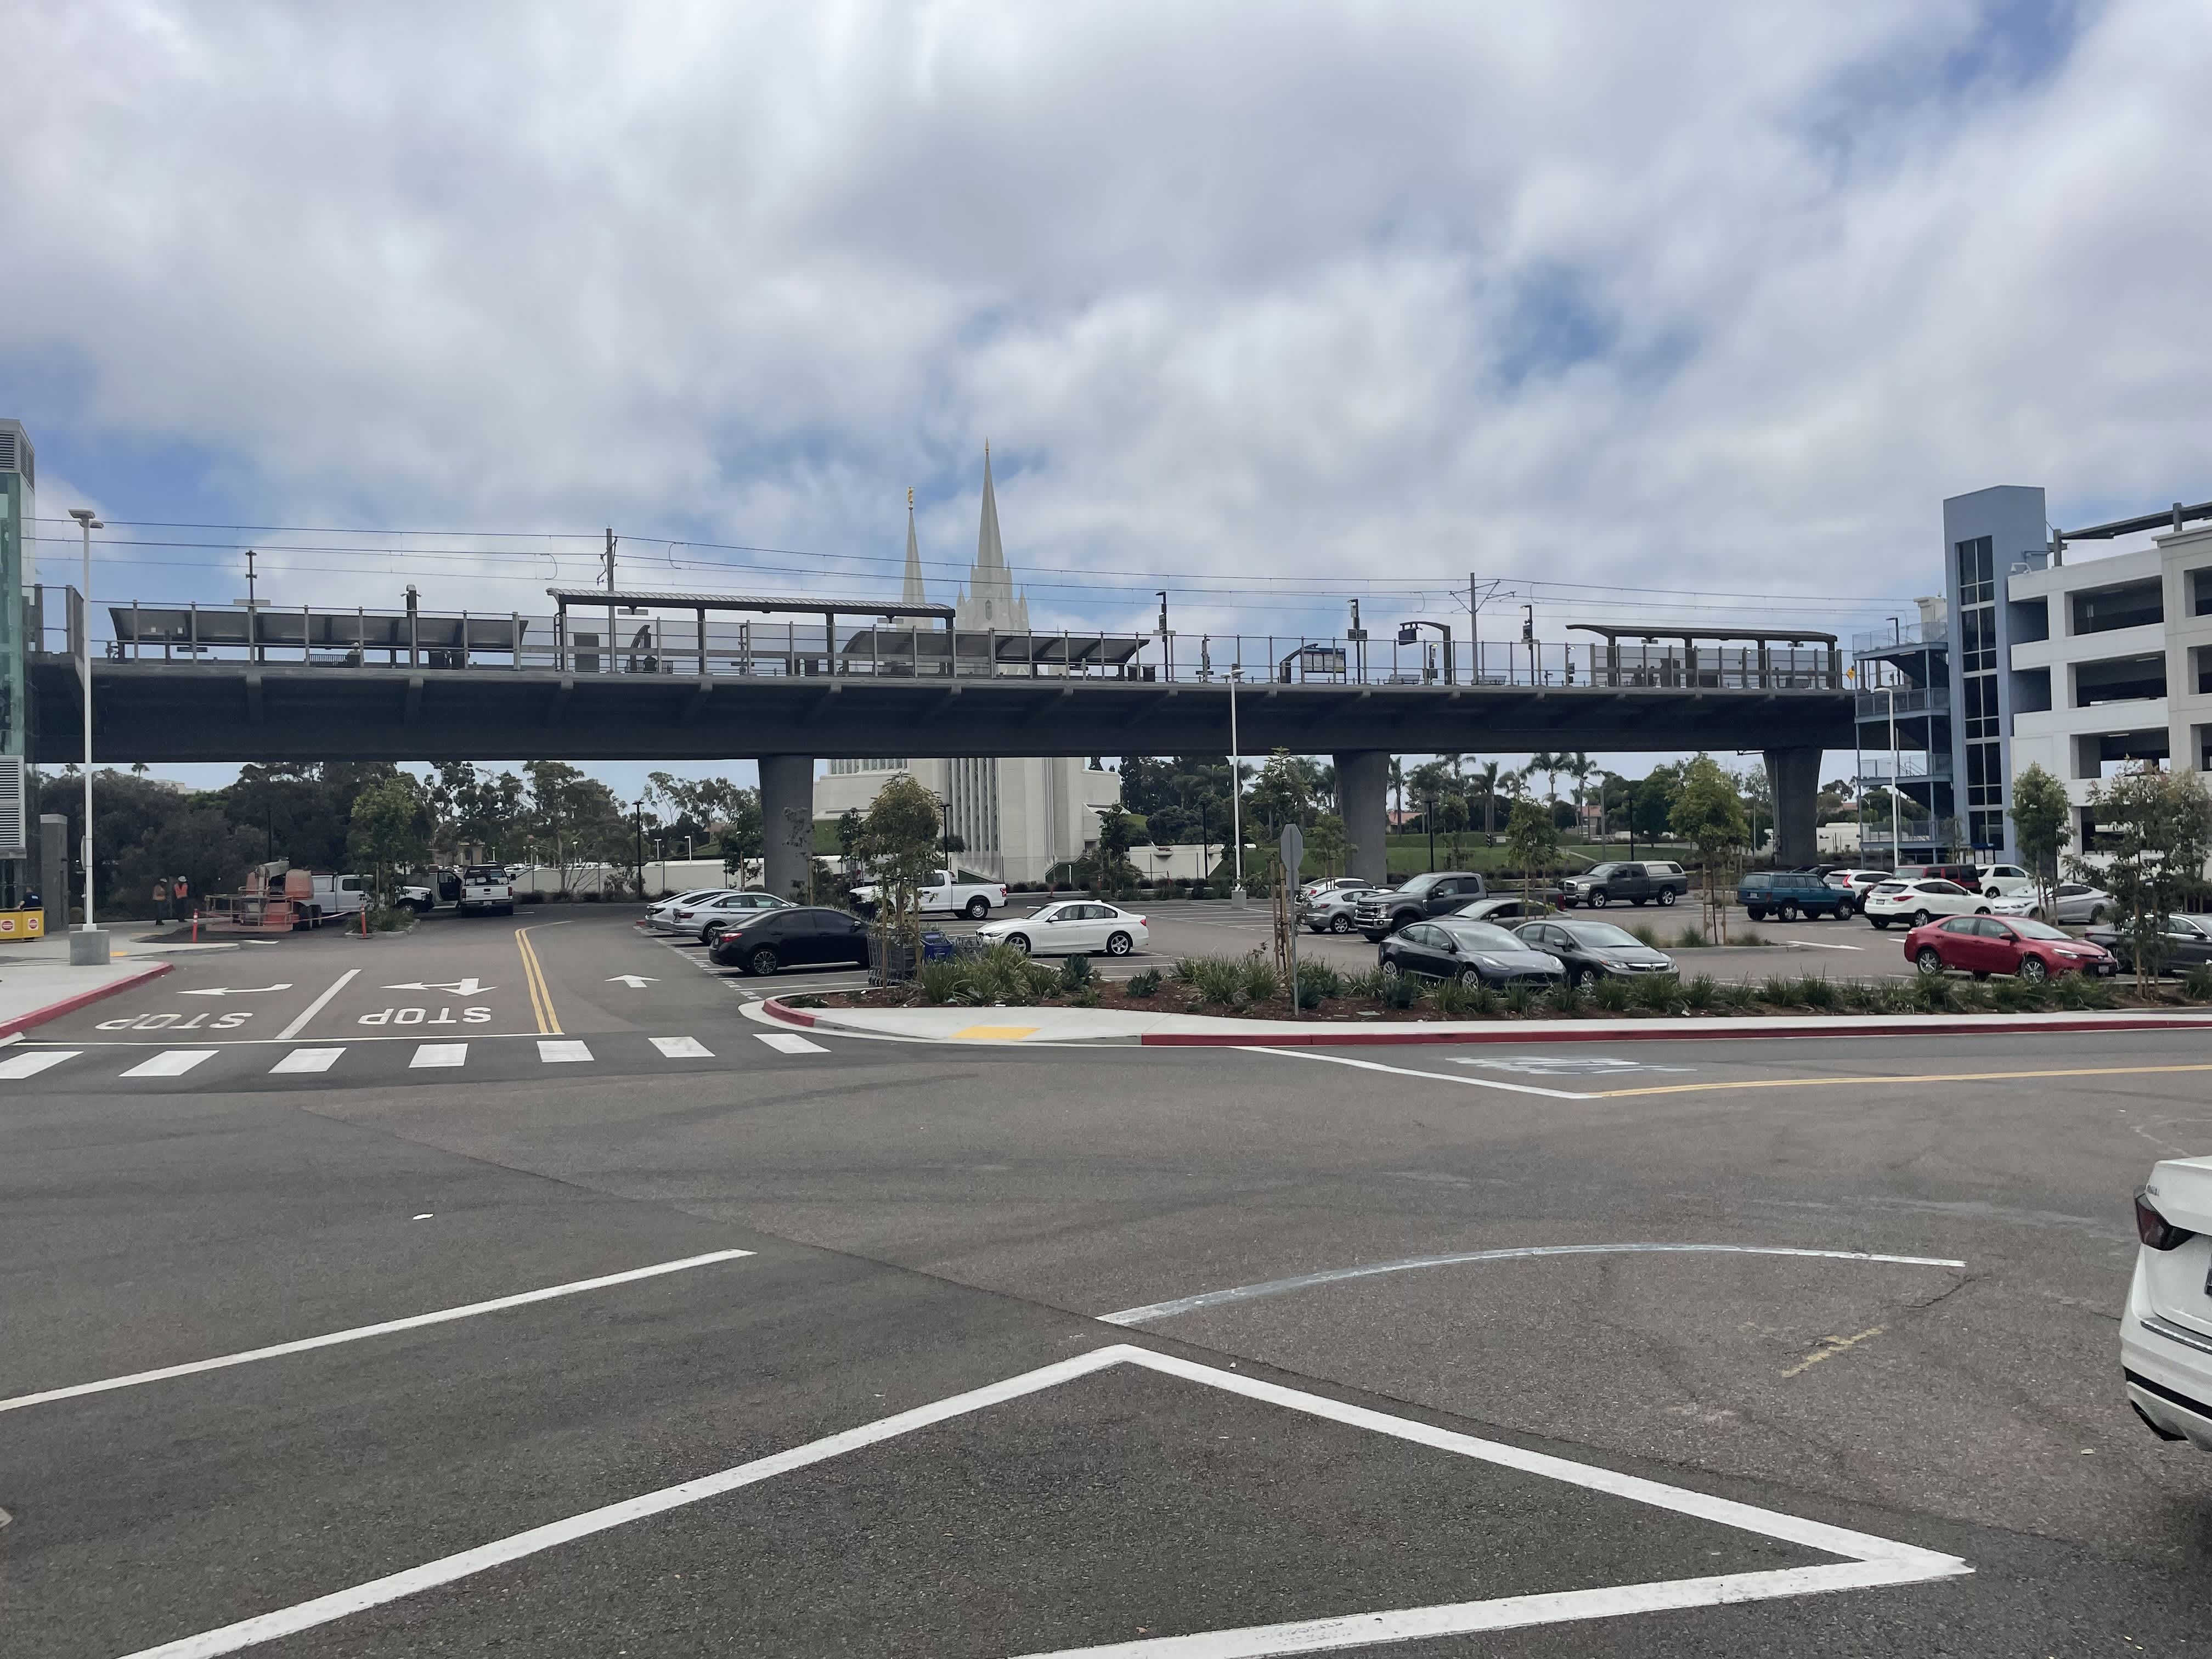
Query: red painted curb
779, 1009
83, 998
1656, 1032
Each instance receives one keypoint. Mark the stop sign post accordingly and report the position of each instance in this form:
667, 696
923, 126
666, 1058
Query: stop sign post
1294, 861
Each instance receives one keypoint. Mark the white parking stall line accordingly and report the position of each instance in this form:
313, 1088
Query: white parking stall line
1414, 1071
307, 1060
563, 1051
790, 1042
299, 1023
35, 1061
412, 1322
434, 1054
170, 1062
1867, 1560
683, 1048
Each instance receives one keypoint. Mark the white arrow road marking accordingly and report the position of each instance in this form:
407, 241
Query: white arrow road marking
459, 988
636, 981
234, 991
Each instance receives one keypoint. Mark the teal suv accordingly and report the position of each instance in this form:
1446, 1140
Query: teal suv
1786, 895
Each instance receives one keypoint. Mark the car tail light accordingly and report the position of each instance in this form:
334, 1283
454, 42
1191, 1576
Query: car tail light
2153, 1228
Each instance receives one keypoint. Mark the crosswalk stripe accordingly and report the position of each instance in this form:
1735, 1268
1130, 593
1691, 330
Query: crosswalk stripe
790, 1042
438, 1053
37, 1061
561, 1051
683, 1048
170, 1062
307, 1060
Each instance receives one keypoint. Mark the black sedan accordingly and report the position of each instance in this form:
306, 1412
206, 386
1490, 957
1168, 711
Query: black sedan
1594, 949
801, 936
2188, 944
1472, 953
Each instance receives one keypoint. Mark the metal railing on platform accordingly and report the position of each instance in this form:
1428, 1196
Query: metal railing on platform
693, 645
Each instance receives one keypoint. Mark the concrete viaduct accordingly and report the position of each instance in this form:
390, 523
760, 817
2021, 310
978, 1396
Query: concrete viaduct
159, 698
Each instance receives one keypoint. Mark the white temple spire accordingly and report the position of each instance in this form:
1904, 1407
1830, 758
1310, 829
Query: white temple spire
988, 601
911, 594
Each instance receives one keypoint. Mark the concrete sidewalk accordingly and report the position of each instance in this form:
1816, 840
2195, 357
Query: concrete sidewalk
1106, 1026
35, 990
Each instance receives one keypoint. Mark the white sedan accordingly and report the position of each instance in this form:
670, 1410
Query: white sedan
2165, 1335
1917, 902
1073, 927
2072, 902
657, 915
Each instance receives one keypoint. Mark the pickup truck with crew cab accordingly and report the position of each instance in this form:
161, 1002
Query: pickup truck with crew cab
943, 895
1379, 914
487, 887
1652, 881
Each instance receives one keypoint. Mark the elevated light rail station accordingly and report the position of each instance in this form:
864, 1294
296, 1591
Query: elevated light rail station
649, 675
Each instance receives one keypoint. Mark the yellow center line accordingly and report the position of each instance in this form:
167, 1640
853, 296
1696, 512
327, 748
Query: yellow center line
1918, 1077
541, 1000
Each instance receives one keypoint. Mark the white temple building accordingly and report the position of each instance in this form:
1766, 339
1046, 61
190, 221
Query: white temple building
1019, 819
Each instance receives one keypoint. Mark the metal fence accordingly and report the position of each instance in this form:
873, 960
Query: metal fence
581, 641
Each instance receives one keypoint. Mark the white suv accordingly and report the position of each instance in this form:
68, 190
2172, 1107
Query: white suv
2165, 1335
1914, 902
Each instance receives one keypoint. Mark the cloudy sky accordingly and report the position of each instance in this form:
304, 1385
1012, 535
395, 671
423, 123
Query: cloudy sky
1269, 305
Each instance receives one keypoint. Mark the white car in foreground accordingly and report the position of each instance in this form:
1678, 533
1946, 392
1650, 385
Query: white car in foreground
2165, 1335
1073, 927
1917, 903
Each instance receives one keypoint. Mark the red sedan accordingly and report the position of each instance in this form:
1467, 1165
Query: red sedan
1983, 945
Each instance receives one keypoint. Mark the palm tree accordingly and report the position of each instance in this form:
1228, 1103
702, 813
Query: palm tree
1579, 767
1551, 766
1487, 777
1398, 785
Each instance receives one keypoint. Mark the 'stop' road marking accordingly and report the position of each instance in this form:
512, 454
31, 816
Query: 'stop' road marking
411, 1322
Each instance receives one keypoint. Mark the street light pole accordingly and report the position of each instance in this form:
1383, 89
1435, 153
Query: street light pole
1236, 792
88, 523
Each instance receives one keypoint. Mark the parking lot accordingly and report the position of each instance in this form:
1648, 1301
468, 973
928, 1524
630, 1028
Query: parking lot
626, 1322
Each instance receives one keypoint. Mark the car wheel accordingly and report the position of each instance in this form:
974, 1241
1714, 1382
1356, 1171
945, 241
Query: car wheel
1755, 913
1599, 898
1390, 969
1982, 910
1118, 945
762, 963
2096, 915
1340, 924
1787, 912
978, 907
2035, 970
1922, 918
1846, 910
1638, 903
1020, 942
1668, 895
1991, 892
1929, 961
1579, 977
1881, 923
1470, 977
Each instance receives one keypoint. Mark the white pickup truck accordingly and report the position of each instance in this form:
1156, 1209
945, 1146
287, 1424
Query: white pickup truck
487, 887
946, 896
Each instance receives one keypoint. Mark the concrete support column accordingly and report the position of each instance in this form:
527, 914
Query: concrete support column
786, 786
1363, 789
1795, 777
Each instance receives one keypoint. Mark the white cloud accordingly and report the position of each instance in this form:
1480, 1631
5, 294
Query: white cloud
1575, 291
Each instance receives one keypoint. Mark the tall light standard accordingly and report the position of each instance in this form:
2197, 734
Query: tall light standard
1236, 792
88, 523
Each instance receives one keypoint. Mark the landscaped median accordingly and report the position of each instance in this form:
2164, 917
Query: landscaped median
1001, 999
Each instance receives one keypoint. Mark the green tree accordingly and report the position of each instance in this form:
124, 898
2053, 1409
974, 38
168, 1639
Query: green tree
1117, 834
1328, 841
2153, 833
574, 817
1485, 780
1282, 793
1452, 819
741, 840
390, 830
1533, 838
851, 824
2039, 811
898, 844
1708, 813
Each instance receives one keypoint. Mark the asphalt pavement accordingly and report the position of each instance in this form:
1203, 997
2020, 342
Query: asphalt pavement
625, 1330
